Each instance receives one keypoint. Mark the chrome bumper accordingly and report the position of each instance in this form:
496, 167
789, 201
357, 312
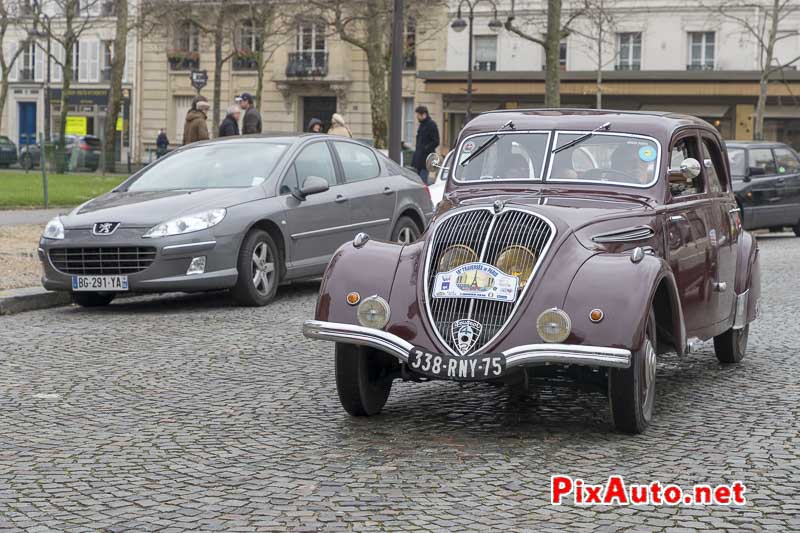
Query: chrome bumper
530, 354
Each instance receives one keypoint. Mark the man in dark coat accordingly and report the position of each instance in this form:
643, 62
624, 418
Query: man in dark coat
162, 143
427, 141
252, 118
230, 124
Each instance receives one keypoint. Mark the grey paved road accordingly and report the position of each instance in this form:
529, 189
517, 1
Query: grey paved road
179, 412
16, 217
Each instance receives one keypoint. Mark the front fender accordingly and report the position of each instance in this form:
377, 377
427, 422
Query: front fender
367, 270
748, 273
625, 292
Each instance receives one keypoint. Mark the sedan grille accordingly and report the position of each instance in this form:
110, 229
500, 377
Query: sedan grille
102, 261
488, 235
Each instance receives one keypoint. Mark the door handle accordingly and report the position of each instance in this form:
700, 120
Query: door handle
780, 181
340, 198
387, 190
677, 218
734, 210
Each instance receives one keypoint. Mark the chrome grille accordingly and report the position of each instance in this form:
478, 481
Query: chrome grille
488, 234
102, 261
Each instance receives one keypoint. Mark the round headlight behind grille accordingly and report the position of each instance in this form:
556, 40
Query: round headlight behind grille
553, 325
517, 261
373, 312
455, 256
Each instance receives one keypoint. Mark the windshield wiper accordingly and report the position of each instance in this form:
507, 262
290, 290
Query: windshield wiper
573, 142
493, 139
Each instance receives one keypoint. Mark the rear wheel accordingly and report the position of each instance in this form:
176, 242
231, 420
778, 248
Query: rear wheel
731, 346
93, 299
405, 231
363, 379
259, 269
632, 390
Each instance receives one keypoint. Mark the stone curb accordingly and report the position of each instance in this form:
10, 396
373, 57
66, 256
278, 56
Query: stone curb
14, 301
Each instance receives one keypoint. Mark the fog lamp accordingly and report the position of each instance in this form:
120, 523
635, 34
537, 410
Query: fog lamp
553, 325
373, 312
197, 266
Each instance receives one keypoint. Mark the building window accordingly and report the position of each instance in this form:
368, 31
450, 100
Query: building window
107, 8
310, 57
185, 55
409, 122
629, 51
485, 53
108, 57
701, 50
28, 70
410, 53
249, 44
562, 55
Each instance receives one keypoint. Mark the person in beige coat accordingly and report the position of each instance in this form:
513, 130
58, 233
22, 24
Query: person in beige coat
339, 127
196, 129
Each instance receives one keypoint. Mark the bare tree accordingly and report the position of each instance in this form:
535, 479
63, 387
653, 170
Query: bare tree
598, 29
366, 25
551, 42
269, 26
118, 58
10, 13
63, 22
766, 21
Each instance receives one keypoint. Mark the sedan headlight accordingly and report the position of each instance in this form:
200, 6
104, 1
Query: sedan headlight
187, 224
54, 229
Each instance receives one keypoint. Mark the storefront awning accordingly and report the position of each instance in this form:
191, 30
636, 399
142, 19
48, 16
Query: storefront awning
477, 107
697, 110
782, 111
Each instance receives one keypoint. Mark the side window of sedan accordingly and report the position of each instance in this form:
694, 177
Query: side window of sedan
761, 158
786, 161
684, 148
313, 160
358, 162
712, 161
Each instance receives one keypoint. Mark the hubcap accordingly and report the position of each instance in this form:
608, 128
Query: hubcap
263, 268
649, 378
406, 236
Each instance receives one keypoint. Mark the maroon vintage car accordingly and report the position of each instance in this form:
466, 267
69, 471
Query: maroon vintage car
574, 241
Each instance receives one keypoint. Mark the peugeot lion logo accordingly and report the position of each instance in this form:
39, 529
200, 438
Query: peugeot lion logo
105, 228
465, 334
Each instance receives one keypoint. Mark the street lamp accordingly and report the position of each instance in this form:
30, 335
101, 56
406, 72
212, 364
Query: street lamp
459, 24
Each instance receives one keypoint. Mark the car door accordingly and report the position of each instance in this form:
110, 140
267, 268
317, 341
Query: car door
687, 231
723, 229
318, 224
372, 193
765, 192
788, 167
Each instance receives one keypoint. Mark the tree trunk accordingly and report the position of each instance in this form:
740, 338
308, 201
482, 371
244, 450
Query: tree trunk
115, 94
3, 95
260, 65
599, 93
66, 76
378, 73
766, 66
219, 38
552, 89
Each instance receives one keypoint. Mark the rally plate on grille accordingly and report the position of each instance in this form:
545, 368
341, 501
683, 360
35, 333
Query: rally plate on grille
479, 281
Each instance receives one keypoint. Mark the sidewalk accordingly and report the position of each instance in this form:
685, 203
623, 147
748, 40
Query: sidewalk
18, 217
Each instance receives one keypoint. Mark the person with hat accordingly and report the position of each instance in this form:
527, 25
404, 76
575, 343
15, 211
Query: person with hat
195, 128
230, 124
252, 118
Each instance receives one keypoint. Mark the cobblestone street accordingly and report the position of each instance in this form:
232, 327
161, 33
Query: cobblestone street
185, 412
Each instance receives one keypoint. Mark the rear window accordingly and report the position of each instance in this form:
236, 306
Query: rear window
787, 161
94, 142
736, 158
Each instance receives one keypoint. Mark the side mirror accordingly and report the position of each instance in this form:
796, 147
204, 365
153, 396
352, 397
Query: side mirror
432, 162
756, 171
689, 169
312, 185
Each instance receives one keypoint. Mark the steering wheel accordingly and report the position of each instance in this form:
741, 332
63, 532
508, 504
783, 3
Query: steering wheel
604, 174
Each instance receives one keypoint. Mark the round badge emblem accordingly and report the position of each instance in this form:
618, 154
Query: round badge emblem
469, 146
647, 154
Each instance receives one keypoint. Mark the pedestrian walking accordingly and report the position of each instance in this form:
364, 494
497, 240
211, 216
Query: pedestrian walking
162, 143
314, 126
252, 118
427, 141
196, 128
339, 127
229, 126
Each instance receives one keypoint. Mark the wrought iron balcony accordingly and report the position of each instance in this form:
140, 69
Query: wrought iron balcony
700, 66
26, 74
628, 66
105, 74
307, 64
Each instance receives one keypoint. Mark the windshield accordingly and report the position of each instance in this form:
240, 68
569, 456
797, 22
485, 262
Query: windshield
618, 158
212, 166
736, 158
514, 156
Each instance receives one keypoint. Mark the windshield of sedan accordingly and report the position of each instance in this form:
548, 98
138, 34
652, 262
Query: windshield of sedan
736, 158
212, 166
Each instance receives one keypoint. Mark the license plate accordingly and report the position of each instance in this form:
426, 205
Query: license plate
467, 368
99, 283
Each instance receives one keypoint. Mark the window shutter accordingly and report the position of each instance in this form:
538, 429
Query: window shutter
38, 66
125, 67
11, 50
55, 67
83, 61
93, 61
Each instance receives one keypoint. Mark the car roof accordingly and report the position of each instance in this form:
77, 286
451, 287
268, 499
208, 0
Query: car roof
655, 123
747, 144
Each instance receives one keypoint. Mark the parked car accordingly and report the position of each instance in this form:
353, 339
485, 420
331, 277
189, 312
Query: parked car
766, 182
242, 214
8, 152
439, 184
592, 241
88, 150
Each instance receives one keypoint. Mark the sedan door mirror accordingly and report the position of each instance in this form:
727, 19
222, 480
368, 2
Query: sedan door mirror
689, 170
433, 161
756, 171
312, 185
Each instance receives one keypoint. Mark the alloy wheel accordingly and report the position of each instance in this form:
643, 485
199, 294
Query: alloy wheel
406, 236
263, 268
648, 378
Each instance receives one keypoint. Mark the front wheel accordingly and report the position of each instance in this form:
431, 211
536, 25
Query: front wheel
363, 379
731, 346
632, 390
92, 299
405, 231
259, 270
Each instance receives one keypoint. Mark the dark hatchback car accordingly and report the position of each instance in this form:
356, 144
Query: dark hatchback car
8, 152
88, 150
766, 182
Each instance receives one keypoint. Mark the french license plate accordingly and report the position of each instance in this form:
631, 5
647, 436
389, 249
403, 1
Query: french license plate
467, 368
99, 283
